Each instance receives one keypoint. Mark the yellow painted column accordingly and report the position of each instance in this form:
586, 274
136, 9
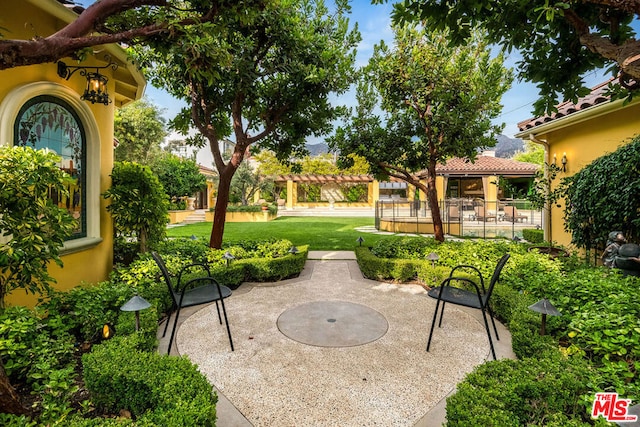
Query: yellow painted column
441, 187
490, 188
411, 192
374, 192
290, 197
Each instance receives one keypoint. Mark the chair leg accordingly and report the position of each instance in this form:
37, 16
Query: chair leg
433, 323
493, 323
218, 308
441, 314
173, 330
166, 325
486, 326
226, 321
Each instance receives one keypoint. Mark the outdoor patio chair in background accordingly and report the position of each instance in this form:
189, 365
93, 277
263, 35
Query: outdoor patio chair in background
511, 214
194, 291
453, 213
478, 298
481, 215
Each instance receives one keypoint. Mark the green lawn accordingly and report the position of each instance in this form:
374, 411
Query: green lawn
320, 233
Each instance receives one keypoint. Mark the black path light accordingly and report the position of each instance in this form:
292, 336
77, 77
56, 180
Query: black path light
96, 89
293, 250
360, 240
228, 257
433, 257
135, 304
544, 307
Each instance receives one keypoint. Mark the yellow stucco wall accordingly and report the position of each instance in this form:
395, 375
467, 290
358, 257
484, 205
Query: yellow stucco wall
85, 265
585, 141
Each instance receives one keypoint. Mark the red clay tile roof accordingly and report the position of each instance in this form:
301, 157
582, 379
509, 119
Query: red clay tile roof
597, 96
486, 165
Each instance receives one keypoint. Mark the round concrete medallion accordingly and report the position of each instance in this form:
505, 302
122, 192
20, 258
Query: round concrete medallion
332, 324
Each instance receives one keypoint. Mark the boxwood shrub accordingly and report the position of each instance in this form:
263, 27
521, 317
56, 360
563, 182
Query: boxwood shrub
533, 235
549, 391
157, 390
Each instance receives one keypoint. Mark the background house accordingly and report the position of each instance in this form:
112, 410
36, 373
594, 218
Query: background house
579, 133
40, 108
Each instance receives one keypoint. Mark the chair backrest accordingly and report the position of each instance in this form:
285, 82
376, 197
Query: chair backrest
454, 212
510, 211
166, 275
496, 275
479, 210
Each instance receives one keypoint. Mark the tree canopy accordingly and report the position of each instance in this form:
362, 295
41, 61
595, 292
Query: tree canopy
117, 21
179, 177
438, 101
559, 42
140, 129
263, 76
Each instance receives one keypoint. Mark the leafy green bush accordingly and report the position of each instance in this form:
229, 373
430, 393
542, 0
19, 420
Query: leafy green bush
603, 196
138, 204
179, 177
38, 227
38, 351
86, 309
533, 235
533, 391
162, 390
404, 247
194, 249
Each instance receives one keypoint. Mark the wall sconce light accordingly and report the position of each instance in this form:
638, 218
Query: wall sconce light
96, 90
564, 162
555, 159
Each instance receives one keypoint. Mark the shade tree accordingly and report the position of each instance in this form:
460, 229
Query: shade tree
139, 129
262, 77
421, 101
560, 42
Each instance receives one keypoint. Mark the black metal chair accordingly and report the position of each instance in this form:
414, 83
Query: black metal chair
479, 299
195, 291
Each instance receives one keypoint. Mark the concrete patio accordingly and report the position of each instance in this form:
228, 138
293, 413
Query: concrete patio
331, 348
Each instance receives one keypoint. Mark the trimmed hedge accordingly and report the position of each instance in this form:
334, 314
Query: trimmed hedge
376, 268
157, 390
546, 391
533, 235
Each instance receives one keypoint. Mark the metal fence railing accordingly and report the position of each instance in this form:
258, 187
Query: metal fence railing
463, 217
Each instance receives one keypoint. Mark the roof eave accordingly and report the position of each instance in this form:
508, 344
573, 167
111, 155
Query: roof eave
590, 113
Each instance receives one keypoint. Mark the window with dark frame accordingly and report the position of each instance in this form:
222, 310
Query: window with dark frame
51, 123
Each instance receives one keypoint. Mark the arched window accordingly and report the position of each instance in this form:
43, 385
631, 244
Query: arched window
50, 122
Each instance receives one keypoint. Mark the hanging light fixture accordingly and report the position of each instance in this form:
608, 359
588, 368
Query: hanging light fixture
96, 89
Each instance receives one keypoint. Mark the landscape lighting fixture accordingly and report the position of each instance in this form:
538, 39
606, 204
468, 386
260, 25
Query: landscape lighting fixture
96, 89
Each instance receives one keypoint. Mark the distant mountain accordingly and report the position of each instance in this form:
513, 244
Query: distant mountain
507, 147
316, 149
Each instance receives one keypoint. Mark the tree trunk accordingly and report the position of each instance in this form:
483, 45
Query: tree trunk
9, 400
432, 199
220, 214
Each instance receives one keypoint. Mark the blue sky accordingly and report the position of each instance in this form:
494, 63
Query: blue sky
374, 23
